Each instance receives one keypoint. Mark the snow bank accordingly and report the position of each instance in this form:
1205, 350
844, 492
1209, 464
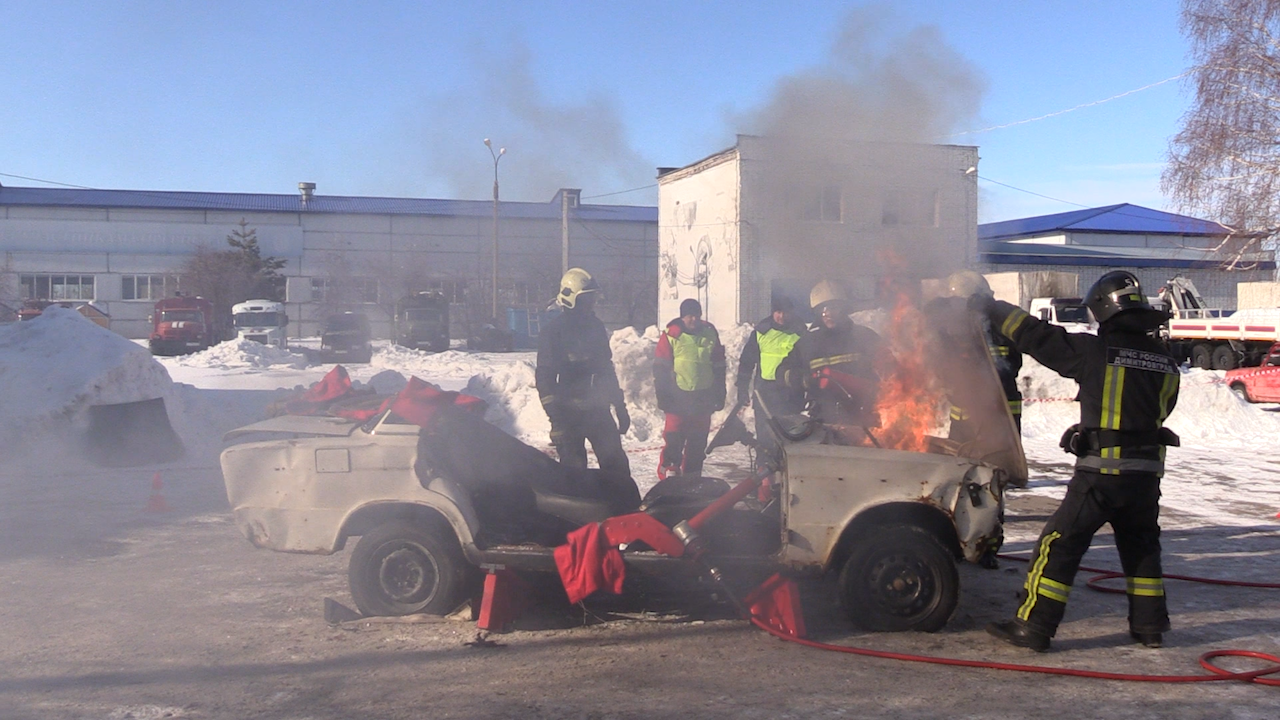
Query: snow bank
54, 367
241, 353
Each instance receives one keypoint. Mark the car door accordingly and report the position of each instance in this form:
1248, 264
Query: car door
1266, 383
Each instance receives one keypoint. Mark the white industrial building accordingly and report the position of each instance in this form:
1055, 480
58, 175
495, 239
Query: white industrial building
1153, 244
124, 249
765, 218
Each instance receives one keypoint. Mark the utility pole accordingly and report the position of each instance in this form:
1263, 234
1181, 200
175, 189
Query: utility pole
496, 157
569, 199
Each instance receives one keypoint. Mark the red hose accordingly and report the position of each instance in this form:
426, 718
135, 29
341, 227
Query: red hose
1216, 673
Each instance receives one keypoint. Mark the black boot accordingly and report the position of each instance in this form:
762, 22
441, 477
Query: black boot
1151, 640
1016, 632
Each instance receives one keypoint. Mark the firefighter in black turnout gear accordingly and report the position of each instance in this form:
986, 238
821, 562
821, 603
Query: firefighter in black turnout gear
771, 360
844, 359
1004, 355
577, 382
1128, 386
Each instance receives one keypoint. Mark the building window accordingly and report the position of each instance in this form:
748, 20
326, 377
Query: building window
825, 205
56, 287
912, 208
340, 290
147, 287
453, 289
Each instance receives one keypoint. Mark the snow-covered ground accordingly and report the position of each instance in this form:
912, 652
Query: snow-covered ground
1226, 473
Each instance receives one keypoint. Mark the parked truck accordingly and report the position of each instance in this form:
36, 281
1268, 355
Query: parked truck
421, 322
1068, 312
261, 321
1210, 338
181, 324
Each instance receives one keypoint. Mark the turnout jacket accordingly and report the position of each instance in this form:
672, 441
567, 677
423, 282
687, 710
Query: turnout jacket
852, 350
1128, 385
689, 369
575, 364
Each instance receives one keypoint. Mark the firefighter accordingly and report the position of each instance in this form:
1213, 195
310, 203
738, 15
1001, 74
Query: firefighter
1007, 359
1128, 386
773, 362
577, 382
843, 361
689, 377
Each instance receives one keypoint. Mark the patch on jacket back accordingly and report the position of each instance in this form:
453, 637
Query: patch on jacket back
1141, 360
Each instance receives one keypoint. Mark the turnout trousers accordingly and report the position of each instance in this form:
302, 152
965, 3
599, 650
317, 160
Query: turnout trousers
685, 444
1131, 503
570, 433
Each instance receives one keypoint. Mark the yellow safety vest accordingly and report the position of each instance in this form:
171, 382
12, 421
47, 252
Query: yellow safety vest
775, 346
691, 353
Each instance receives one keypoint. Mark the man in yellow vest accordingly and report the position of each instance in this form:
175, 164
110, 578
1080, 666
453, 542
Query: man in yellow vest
771, 361
689, 376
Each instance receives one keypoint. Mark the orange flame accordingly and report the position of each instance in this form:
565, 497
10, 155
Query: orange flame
910, 393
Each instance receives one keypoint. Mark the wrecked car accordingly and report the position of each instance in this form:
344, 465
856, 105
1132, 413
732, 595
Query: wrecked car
432, 499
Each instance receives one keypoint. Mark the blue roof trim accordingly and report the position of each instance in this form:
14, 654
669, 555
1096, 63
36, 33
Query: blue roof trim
251, 202
1123, 218
1112, 261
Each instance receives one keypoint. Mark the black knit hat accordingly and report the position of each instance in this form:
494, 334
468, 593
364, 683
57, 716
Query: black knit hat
690, 307
782, 303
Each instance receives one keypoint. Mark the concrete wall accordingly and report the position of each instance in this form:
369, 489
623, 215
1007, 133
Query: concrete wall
905, 211
403, 252
1262, 294
699, 230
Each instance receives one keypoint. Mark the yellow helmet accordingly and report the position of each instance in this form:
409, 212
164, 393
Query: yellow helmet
825, 292
965, 283
575, 282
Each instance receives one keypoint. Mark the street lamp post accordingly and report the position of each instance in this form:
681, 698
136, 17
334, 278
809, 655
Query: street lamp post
497, 156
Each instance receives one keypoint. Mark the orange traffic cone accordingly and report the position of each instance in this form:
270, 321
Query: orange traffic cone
156, 503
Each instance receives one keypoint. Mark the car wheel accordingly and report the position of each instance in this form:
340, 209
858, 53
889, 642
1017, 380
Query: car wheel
1224, 358
402, 568
1241, 391
900, 578
1202, 356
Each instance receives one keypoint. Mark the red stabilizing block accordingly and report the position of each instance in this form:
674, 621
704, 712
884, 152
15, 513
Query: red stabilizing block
777, 603
501, 605
641, 526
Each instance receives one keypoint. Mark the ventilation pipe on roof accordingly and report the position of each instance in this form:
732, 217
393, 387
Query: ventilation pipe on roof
308, 190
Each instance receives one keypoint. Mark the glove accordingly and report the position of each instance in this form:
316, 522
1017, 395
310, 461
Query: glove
624, 419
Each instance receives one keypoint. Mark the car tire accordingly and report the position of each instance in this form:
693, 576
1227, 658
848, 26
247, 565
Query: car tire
1202, 356
899, 578
1241, 392
1224, 358
403, 568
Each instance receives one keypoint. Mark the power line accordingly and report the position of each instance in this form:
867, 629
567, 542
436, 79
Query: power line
49, 182
621, 192
1064, 112
1046, 197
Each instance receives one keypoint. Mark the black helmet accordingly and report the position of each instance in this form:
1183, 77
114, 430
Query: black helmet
1116, 292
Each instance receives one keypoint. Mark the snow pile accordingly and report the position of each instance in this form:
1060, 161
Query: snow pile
513, 400
54, 367
241, 353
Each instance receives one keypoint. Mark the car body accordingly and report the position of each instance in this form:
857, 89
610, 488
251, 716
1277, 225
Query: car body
872, 516
1258, 384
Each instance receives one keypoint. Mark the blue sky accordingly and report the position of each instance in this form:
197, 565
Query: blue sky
394, 98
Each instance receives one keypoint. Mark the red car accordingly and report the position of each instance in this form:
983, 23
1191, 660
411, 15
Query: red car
1258, 384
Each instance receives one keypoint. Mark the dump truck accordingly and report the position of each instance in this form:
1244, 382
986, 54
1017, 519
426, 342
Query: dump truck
181, 324
421, 322
1213, 339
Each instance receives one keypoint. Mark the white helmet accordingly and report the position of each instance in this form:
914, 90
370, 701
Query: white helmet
965, 283
825, 292
575, 282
